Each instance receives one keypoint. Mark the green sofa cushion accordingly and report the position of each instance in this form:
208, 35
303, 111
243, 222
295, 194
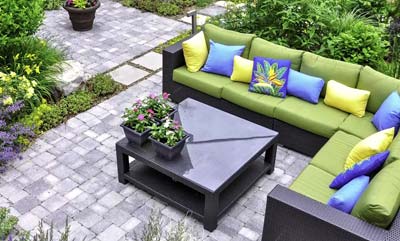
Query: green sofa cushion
238, 93
211, 84
361, 127
332, 156
319, 119
228, 37
381, 200
263, 48
380, 86
394, 149
329, 69
314, 183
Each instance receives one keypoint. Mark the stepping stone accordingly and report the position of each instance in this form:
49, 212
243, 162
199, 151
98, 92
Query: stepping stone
71, 77
150, 60
127, 74
201, 19
212, 11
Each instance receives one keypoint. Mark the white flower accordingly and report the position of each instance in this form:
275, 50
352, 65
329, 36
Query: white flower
170, 133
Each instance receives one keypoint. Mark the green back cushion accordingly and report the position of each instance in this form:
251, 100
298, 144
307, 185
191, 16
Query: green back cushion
394, 149
228, 37
380, 86
381, 200
329, 69
263, 48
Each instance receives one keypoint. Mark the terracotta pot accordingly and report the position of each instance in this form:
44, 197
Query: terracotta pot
82, 19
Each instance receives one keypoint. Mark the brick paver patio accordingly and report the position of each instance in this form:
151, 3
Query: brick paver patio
71, 170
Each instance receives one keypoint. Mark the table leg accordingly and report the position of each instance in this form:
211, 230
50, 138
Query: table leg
211, 208
123, 166
270, 156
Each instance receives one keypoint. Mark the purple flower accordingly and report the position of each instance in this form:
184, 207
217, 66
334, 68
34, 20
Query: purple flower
140, 117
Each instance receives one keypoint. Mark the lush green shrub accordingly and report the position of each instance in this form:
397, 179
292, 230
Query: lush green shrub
7, 223
44, 117
28, 67
52, 4
76, 102
165, 7
20, 18
102, 85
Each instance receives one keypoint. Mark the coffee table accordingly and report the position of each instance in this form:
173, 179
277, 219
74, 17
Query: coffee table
220, 162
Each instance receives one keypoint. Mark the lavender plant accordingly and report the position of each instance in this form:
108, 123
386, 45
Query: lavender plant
12, 134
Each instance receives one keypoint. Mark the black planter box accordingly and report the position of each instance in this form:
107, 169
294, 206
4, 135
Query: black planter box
135, 137
166, 151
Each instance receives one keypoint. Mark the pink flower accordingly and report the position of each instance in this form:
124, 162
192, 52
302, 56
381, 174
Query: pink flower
138, 101
165, 96
140, 117
150, 111
152, 95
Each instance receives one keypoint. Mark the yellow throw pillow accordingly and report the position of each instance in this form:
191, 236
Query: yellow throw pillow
347, 99
242, 69
195, 52
371, 145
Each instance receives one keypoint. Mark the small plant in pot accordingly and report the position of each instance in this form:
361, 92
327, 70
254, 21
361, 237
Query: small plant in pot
168, 138
138, 121
82, 13
159, 104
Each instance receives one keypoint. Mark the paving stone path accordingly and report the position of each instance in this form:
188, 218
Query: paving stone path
70, 171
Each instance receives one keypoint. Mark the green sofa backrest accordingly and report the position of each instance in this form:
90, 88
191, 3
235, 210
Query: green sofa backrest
380, 86
330, 69
228, 37
264, 48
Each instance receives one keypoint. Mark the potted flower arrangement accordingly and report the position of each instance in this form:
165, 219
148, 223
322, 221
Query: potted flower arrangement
159, 104
168, 139
82, 13
137, 123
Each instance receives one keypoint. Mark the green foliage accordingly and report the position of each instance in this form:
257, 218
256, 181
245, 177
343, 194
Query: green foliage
203, 3
7, 223
20, 18
165, 7
377, 9
103, 85
30, 64
77, 102
43, 118
52, 4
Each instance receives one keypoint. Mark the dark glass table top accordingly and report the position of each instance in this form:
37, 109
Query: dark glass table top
220, 145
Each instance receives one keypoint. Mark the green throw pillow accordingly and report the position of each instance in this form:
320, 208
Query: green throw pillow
381, 200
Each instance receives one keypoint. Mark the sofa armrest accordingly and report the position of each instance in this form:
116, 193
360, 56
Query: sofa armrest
172, 59
290, 216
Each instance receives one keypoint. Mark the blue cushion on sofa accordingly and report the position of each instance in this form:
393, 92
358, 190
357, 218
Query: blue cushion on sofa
366, 167
304, 86
388, 114
346, 197
220, 58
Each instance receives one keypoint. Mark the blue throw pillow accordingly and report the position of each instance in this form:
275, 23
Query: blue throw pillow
346, 197
220, 58
304, 86
388, 114
270, 76
366, 167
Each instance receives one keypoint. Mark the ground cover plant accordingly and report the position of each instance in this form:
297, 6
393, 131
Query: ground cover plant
348, 30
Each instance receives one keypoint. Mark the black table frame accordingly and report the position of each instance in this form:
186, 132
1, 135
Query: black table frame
203, 204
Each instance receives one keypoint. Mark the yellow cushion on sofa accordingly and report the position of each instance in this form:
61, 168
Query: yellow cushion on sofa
371, 145
347, 99
195, 52
242, 69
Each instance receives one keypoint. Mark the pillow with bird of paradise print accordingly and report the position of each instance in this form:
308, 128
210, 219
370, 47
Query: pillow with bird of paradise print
270, 76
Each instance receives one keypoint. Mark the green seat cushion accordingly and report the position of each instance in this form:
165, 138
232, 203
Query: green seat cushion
381, 200
332, 156
228, 37
314, 183
380, 86
238, 93
263, 48
318, 118
361, 127
330, 69
211, 84
394, 149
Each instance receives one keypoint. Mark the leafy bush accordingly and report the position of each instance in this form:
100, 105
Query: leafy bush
20, 18
28, 67
7, 223
165, 7
52, 4
43, 118
102, 85
77, 102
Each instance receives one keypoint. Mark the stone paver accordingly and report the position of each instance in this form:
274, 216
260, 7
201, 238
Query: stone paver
201, 19
151, 60
127, 74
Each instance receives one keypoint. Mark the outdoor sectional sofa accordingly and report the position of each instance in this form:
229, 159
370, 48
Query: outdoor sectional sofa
299, 212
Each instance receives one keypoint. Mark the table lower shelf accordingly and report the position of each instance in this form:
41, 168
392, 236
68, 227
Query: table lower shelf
187, 199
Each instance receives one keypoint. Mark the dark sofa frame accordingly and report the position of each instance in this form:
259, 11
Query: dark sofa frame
289, 216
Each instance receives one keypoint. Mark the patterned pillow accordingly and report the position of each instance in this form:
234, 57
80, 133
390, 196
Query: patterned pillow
270, 76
